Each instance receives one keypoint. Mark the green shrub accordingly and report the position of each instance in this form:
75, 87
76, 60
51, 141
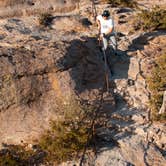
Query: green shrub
65, 139
154, 19
68, 135
122, 3
45, 19
16, 155
157, 86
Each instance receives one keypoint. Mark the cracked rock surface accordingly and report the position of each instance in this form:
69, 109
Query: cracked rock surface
42, 67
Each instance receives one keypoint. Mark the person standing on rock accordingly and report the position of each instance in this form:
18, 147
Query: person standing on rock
106, 27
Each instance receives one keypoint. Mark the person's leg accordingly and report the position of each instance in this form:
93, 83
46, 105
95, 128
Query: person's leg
113, 42
112, 45
106, 54
110, 42
105, 43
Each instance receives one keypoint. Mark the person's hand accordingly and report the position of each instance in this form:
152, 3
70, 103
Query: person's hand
102, 35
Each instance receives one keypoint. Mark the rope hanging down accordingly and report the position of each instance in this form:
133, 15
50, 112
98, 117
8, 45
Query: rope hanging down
94, 10
106, 69
90, 134
96, 112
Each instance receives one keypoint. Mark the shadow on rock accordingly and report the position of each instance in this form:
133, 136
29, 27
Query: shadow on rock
119, 65
83, 61
84, 65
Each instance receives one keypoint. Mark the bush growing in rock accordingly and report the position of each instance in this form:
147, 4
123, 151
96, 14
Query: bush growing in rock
154, 19
65, 139
157, 86
68, 135
122, 3
16, 155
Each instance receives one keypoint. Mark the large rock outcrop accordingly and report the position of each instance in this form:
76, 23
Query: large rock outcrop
11, 3
40, 70
43, 69
12, 8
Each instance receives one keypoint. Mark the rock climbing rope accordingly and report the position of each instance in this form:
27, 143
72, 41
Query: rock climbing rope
97, 110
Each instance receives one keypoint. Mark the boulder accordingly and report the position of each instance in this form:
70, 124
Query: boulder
133, 68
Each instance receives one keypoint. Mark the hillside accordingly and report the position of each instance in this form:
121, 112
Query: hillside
47, 66
21, 8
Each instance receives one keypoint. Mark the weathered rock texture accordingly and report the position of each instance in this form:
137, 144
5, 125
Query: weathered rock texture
39, 70
43, 68
12, 8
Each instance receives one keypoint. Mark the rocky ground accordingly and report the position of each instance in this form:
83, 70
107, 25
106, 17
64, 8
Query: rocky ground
39, 64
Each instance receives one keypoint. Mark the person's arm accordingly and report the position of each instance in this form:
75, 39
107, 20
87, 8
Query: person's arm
98, 25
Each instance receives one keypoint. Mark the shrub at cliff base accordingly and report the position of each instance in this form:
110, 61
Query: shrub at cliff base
67, 136
65, 139
15, 155
157, 86
154, 19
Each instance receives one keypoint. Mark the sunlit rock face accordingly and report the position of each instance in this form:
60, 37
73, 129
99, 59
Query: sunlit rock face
11, 8
40, 70
6, 3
